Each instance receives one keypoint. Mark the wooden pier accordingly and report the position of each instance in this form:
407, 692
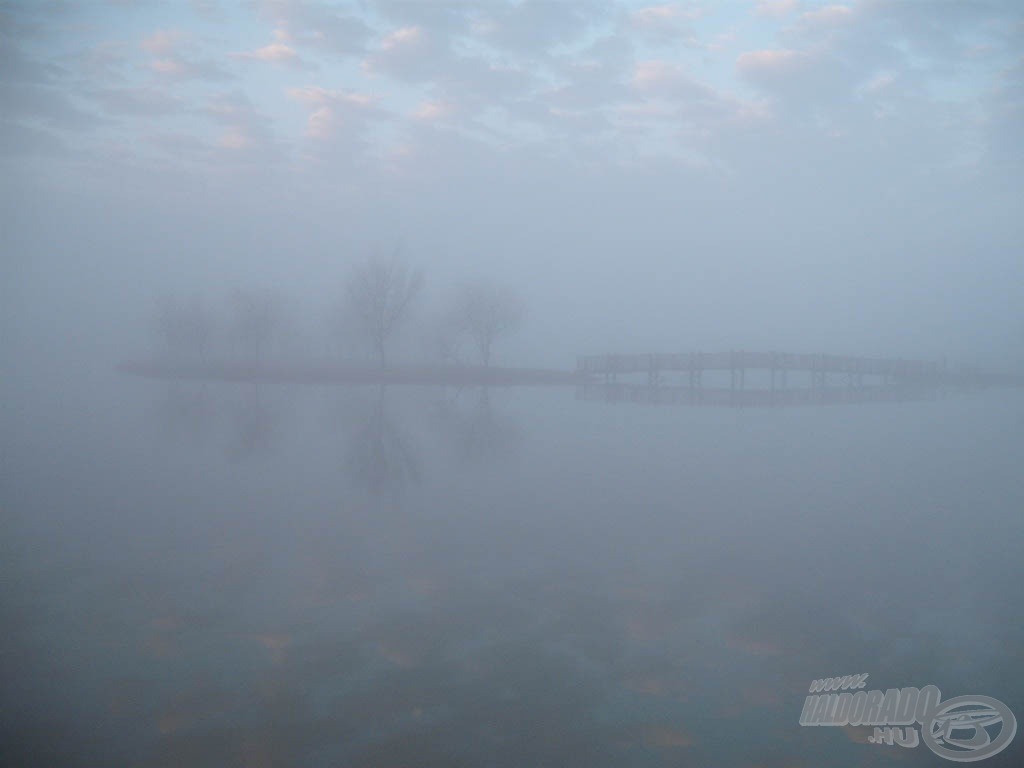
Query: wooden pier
821, 370
721, 378
693, 377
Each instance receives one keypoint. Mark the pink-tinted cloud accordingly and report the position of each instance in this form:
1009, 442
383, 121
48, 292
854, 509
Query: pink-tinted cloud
278, 52
162, 42
829, 15
776, 8
670, 23
432, 111
770, 64
330, 110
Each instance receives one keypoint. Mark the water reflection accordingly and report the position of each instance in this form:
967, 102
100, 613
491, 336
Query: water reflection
253, 423
185, 412
704, 397
631, 590
245, 421
379, 453
476, 433
381, 459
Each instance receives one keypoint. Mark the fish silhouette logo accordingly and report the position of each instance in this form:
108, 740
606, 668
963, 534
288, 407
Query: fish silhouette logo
969, 728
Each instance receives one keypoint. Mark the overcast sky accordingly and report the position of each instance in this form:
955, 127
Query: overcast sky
775, 175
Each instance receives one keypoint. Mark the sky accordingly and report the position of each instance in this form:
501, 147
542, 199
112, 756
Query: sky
788, 175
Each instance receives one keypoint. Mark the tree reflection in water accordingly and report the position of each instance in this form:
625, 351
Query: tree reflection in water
380, 457
476, 434
186, 412
253, 424
381, 460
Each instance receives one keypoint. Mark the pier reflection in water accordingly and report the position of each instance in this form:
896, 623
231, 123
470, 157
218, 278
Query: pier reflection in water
622, 392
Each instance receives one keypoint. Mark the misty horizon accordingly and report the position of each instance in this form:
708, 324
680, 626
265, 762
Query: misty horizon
510, 383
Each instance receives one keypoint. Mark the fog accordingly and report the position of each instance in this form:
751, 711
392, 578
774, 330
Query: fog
300, 461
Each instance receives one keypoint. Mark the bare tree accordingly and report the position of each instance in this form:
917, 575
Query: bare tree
256, 321
441, 341
185, 328
485, 312
380, 291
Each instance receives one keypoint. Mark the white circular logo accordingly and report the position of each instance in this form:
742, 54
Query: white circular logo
969, 728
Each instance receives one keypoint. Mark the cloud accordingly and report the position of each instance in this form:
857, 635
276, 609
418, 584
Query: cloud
406, 37
180, 145
804, 80
17, 67
167, 66
594, 78
432, 111
894, 80
772, 68
1004, 123
315, 95
655, 15
562, 78
776, 8
206, 9
163, 42
876, 84
680, 116
108, 61
318, 25
278, 52
138, 102
410, 53
413, 55
235, 139
244, 128
829, 15
39, 109
666, 23
181, 68
652, 74
331, 111
534, 27
18, 140
46, 104
175, 56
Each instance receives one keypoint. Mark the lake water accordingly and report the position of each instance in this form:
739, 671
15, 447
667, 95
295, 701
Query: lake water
230, 575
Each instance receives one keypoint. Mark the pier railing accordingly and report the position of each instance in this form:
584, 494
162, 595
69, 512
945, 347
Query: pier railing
695, 362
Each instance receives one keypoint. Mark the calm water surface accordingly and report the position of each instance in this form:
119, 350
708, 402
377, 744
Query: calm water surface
238, 576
